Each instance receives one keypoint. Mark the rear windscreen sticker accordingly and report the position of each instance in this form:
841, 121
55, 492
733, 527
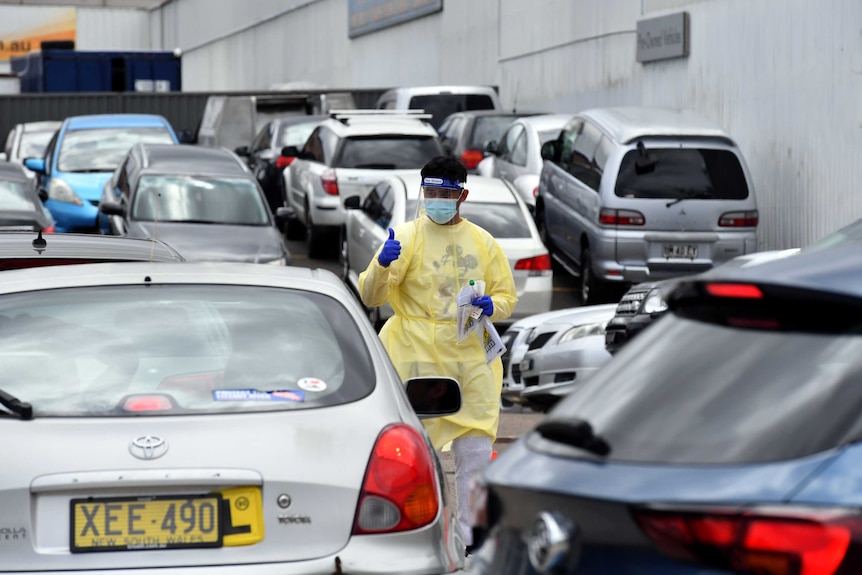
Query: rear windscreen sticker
311, 384
257, 395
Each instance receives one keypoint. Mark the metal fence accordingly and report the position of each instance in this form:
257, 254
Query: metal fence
182, 109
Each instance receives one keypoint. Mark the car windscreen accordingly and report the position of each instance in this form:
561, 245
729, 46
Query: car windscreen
441, 106
502, 221
387, 152
743, 389
102, 149
199, 199
179, 349
674, 173
487, 128
295, 134
16, 196
33, 144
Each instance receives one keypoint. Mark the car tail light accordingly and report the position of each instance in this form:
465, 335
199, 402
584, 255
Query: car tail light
610, 217
399, 491
48, 230
747, 219
330, 183
536, 265
284, 161
471, 158
745, 291
767, 542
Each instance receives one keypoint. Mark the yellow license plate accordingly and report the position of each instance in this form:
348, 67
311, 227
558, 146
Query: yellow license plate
129, 523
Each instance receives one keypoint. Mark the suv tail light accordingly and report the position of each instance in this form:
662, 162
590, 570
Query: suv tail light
471, 158
794, 541
747, 219
329, 182
399, 491
746, 291
536, 265
610, 217
284, 161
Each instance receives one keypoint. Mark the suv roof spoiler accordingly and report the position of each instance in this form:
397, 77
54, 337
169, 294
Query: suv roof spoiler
344, 115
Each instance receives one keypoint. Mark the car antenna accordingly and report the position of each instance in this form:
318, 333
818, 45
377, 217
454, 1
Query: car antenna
39, 244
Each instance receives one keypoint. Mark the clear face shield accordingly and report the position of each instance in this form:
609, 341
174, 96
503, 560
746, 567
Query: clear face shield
439, 200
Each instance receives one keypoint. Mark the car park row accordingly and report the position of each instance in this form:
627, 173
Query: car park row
701, 400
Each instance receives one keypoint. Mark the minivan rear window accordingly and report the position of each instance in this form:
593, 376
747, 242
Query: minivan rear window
440, 106
691, 391
387, 152
683, 173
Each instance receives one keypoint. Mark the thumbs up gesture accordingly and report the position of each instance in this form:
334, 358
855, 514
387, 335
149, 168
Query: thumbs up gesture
391, 250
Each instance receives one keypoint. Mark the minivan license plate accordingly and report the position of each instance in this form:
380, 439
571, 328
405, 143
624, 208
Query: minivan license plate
680, 251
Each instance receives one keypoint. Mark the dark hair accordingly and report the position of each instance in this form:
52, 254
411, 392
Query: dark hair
448, 167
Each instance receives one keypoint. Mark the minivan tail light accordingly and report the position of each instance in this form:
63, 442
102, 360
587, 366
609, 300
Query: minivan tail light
747, 219
471, 158
399, 491
769, 542
329, 182
611, 217
535, 265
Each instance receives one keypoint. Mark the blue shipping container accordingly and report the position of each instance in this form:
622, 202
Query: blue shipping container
74, 71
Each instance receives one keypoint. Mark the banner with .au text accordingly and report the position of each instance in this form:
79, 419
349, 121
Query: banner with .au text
24, 28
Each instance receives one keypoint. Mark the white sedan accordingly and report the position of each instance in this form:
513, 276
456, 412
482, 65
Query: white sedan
493, 205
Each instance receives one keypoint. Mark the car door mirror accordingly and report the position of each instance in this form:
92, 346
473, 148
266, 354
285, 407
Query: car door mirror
43, 194
549, 151
241, 151
434, 396
112, 209
35, 164
352, 203
290, 151
283, 214
490, 147
186, 137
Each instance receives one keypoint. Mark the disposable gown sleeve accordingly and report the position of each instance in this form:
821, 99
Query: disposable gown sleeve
377, 282
499, 283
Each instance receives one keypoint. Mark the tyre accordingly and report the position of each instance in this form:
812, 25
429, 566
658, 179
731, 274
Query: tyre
294, 229
342, 257
591, 289
542, 226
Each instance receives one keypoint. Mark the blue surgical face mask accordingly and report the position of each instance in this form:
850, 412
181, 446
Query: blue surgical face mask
441, 210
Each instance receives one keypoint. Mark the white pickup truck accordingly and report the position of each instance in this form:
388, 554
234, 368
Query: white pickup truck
347, 155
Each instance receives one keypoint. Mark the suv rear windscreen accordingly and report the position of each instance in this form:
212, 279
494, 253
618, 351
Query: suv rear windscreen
674, 173
706, 390
387, 152
488, 128
440, 106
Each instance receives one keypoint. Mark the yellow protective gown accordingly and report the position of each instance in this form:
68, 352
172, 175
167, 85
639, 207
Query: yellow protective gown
421, 337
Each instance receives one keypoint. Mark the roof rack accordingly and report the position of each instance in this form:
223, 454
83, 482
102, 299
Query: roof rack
344, 115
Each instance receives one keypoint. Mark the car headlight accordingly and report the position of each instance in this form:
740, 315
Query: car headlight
60, 191
654, 302
278, 262
585, 330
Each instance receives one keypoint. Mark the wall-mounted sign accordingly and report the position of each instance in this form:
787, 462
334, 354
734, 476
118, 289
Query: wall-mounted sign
33, 25
370, 15
663, 37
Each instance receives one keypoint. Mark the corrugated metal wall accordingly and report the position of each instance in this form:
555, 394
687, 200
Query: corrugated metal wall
112, 29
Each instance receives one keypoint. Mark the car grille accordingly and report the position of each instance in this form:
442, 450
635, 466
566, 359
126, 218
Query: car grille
541, 340
631, 302
516, 373
531, 381
507, 338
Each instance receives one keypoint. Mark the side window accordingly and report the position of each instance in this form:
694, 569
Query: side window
313, 146
49, 151
582, 160
387, 204
507, 143
602, 153
122, 183
450, 133
566, 142
518, 155
328, 141
375, 202
8, 147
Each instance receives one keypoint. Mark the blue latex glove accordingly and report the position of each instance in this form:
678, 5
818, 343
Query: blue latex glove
391, 250
486, 303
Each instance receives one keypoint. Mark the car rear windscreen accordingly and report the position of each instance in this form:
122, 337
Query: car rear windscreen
502, 221
440, 106
681, 173
387, 152
730, 386
487, 128
179, 350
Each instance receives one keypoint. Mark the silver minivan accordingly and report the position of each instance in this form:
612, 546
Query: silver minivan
628, 195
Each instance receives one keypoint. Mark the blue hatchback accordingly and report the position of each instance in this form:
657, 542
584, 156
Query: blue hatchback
727, 438
81, 157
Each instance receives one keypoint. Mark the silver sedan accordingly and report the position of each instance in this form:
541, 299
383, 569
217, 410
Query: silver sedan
170, 418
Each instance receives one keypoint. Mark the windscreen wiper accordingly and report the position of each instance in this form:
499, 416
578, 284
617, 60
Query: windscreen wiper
694, 196
20, 408
577, 433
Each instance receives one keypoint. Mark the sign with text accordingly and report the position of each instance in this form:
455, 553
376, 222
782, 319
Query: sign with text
34, 25
663, 37
369, 15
